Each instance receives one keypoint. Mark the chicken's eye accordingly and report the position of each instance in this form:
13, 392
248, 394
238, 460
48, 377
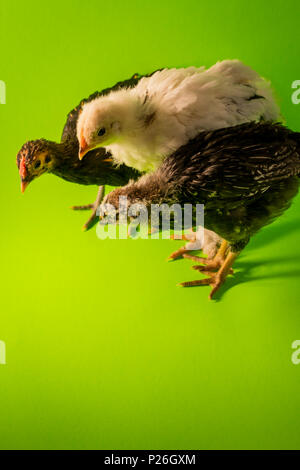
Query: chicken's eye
37, 164
48, 159
101, 131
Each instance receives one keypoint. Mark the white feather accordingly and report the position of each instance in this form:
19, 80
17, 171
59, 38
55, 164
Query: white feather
182, 102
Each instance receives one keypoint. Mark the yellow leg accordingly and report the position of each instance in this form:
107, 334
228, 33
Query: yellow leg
215, 279
210, 264
90, 222
186, 237
222, 250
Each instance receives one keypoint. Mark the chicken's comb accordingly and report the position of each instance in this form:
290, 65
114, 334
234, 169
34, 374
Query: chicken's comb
23, 169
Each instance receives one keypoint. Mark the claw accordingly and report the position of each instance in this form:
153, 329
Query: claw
214, 279
198, 259
210, 264
91, 221
177, 254
94, 217
82, 208
209, 268
188, 237
198, 282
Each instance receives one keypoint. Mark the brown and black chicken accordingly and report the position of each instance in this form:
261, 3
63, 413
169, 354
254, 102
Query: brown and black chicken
246, 176
42, 156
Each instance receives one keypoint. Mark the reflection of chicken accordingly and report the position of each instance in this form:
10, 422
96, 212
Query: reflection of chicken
246, 176
142, 125
43, 156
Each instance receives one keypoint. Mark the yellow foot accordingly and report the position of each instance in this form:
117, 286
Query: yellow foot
92, 219
206, 261
215, 280
188, 237
178, 253
211, 264
183, 252
94, 207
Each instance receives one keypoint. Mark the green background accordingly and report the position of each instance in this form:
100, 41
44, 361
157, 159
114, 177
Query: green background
103, 350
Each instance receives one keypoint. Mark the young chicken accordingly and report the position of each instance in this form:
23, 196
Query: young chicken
61, 159
42, 156
246, 176
142, 125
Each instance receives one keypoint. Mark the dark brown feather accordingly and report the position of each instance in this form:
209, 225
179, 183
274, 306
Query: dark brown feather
245, 176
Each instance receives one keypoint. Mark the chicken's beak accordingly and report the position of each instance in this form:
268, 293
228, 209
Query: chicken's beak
24, 185
84, 148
